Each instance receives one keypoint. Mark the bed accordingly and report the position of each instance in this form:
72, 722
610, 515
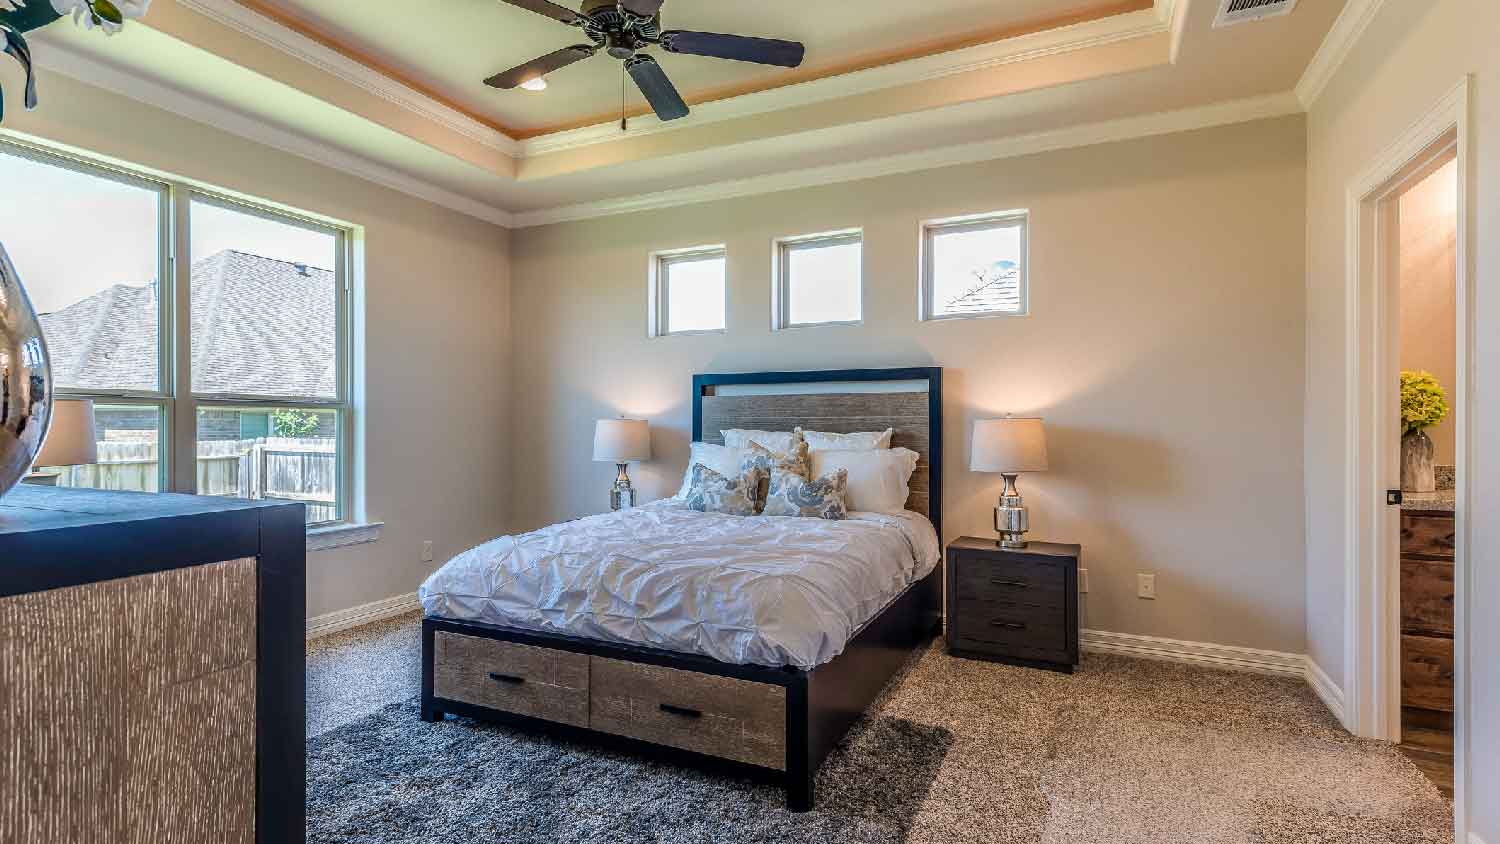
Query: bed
751, 644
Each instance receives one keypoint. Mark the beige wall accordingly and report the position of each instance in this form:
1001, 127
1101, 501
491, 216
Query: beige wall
1412, 54
1429, 254
435, 311
1165, 350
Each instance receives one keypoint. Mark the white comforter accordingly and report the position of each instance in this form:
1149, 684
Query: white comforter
757, 590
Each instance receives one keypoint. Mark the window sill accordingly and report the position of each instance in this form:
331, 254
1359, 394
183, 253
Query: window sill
340, 536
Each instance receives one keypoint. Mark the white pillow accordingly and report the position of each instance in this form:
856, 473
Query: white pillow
849, 442
777, 441
720, 458
879, 479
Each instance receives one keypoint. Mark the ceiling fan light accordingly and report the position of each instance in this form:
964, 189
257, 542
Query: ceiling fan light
538, 83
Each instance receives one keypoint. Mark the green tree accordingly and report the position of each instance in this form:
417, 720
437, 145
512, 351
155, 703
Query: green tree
286, 422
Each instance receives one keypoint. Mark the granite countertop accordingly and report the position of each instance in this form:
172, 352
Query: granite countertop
1442, 500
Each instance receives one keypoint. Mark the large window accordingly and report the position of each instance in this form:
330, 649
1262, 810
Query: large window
688, 291
248, 394
819, 280
974, 266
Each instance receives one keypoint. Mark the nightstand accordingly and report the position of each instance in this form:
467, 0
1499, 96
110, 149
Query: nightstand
1014, 606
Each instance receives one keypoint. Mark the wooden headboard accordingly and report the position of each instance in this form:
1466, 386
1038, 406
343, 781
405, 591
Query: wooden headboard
909, 400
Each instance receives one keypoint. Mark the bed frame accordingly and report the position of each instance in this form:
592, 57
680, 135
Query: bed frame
620, 694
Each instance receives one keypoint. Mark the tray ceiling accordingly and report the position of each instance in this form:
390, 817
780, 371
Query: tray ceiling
450, 46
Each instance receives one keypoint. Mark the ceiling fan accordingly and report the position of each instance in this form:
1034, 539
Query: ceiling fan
623, 28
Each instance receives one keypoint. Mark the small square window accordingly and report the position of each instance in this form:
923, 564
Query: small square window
974, 266
690, 291
819, 280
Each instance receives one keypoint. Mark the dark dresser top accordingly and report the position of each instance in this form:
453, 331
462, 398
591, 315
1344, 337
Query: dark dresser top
1040, 549
52, 537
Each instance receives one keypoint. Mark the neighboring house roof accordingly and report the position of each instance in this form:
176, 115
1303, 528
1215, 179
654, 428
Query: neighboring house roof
1001, 291
259, 326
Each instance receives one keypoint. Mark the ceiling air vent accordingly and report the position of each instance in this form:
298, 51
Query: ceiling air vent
1242, 11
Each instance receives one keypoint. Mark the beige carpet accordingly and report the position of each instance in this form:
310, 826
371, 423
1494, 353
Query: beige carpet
1124, 751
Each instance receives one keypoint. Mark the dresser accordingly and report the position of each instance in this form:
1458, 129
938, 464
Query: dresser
1018, 606
152, 668
1427, 619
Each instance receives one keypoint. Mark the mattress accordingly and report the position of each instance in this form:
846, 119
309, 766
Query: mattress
760, 590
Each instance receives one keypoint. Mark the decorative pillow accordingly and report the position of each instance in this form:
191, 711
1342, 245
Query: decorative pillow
797, 461
721, 459
712, 492
819, 440
879, 479
821, 498
771, 440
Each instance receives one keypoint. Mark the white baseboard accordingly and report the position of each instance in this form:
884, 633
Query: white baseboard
333, 622
1327, 690
1195, 653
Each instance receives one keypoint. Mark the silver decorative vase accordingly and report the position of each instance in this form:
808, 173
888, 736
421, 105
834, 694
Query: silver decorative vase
25, 380
1418, 463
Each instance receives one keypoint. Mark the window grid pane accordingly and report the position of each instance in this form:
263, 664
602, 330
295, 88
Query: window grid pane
129, 443
975, 268
693, 291
264, 305
272, 453
822, 280
98, 298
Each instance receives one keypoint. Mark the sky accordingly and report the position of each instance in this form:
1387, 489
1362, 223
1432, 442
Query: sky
956, 255
72, 234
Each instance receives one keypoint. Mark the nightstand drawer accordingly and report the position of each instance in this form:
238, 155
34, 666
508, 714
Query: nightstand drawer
1038, 583
1034, 628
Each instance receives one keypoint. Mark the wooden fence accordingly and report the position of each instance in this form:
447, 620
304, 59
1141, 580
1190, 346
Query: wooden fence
290, 469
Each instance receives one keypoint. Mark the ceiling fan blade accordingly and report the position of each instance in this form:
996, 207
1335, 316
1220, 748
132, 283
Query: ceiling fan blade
659, 90
741, 48
541, 67
551, 10
644, 8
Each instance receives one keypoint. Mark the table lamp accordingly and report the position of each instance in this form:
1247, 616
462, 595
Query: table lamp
1009, 446
70, 439
620, 441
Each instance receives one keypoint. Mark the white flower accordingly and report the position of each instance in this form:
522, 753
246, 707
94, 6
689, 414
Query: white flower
83, 12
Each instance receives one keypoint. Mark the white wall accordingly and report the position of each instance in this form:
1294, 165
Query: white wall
1165, 349
1410, 57
436, 304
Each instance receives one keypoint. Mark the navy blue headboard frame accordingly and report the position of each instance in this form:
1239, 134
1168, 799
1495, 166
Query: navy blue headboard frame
704, 385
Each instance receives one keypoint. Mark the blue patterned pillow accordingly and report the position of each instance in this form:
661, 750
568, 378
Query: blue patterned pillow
791, 494
711, 492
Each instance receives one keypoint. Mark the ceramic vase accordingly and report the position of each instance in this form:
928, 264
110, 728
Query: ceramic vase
1418, 469
25, 380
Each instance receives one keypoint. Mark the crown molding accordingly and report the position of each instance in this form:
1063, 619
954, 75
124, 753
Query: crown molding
1066, 39
1218, 114
1336, 47
66, 60
280, 37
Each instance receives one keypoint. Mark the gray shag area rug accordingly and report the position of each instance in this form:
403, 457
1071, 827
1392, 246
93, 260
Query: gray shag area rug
1126, 751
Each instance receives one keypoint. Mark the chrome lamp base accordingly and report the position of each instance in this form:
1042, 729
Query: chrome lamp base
1011, 520
622, 494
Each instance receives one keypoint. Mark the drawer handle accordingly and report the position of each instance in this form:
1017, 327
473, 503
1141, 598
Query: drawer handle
681, 711
1009, 625
1018, 584
510, 679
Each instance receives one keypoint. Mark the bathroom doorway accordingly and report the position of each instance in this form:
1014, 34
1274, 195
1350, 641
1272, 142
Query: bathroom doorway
1426, 239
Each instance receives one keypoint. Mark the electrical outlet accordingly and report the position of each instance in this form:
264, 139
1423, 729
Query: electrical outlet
427, 551
1083, 580
1145, 586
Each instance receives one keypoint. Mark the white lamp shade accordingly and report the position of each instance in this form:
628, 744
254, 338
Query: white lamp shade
1010, 445
71, 438
622, 440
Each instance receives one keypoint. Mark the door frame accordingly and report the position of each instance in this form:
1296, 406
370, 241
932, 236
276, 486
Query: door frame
1372, 576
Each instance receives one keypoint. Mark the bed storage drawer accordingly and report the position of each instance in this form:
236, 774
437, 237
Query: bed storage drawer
719, 716
521, 679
